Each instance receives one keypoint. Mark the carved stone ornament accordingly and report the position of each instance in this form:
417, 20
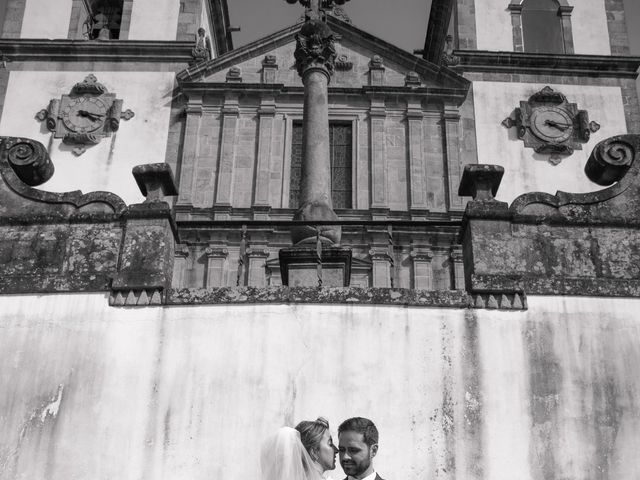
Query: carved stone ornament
343, 63
84, 116
315, 47
549, 124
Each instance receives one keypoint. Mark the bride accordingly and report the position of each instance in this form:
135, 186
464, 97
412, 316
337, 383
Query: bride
301, 453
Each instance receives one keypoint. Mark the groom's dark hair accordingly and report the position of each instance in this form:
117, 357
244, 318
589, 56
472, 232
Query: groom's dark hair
361, 425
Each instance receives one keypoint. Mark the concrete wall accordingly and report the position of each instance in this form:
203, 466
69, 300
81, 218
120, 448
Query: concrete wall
588, 22
89, 391
154, 20
525, 170
46, 19
106, 166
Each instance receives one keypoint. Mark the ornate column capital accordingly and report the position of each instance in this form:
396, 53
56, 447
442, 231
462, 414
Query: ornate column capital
421, 255
216, 252
315, 48
181, 251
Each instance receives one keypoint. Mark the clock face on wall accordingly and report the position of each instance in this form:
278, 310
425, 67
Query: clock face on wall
551, 124
84, 114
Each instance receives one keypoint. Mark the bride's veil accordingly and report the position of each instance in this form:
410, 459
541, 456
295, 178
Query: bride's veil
283, 457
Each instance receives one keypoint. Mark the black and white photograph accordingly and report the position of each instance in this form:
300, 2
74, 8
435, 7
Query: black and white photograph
319, 240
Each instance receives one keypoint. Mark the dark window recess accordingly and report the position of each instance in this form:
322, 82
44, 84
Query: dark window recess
340, 137
542, 27
104, 19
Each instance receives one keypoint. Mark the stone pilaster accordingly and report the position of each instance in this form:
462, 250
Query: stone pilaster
257, 256
266, 115
381, 263
417, 175
180, 266
216, 265
422, 269
458, 268
451, 119
230, 116
567, 32
193, 111
379, 181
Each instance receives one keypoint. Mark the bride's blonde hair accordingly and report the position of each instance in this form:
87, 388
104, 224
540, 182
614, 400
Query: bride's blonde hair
311, 433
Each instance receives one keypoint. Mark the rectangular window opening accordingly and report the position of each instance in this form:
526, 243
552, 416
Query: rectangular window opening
340, 153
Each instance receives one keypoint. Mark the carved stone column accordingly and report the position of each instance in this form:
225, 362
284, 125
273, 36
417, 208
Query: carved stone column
315, 55
216, 260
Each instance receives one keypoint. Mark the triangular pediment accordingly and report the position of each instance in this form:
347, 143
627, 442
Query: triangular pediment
357, 51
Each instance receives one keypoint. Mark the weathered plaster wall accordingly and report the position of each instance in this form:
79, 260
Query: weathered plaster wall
154, 20
190, 392
525, 170
46, 19
106, 166
588, 23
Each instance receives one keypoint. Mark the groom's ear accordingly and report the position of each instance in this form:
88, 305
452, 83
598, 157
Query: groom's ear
373, 450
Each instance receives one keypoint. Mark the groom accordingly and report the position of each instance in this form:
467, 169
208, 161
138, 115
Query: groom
358, 444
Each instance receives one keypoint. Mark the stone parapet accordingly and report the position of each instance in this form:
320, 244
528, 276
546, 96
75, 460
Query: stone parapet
562, 244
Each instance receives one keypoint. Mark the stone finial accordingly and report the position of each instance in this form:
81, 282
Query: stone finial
234, 75
155, 181
480, 182
376, 71
412, 79
376, 62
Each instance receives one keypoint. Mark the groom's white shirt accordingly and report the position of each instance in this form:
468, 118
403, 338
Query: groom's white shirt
371, 476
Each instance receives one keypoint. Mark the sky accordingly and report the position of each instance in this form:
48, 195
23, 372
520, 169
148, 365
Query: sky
400, 22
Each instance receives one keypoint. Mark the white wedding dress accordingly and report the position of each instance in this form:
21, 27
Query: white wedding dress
283, 457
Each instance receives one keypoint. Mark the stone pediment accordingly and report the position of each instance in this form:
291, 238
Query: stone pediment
362, 60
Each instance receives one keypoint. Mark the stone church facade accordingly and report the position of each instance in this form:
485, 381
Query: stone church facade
486, 189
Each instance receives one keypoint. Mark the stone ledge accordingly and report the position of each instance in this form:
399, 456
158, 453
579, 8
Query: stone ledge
548, 64
43, 50
343, 296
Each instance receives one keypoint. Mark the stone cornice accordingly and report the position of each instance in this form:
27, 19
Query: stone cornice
547, 64
20, 50
457, 95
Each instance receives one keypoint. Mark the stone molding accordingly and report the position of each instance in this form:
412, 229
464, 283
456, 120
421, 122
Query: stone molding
22, 50
548, 64
341, 296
